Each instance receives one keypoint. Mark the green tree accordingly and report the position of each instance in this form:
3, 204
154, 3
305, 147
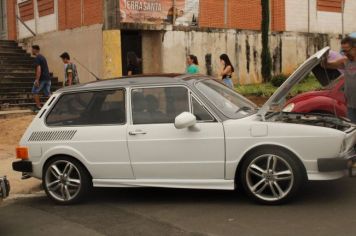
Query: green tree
265, 56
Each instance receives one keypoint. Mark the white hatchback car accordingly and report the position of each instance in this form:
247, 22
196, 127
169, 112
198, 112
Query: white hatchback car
181, 131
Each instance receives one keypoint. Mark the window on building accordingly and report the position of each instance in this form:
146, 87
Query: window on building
89, 108
26, 10
330, 5
45, 7
158, 105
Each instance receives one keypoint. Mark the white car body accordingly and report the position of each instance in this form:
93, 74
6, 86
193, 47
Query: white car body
204, 156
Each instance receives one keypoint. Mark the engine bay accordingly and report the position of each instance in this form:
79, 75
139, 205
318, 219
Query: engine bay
314, 119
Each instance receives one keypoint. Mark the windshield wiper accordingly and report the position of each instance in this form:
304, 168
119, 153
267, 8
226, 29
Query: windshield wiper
244, 108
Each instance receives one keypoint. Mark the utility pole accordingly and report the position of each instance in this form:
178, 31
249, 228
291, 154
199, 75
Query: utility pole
265, 56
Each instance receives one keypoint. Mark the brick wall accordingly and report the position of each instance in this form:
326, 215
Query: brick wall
211, 13
76, 13
278, 15
244, 14
93, 12
241, 14
11, 19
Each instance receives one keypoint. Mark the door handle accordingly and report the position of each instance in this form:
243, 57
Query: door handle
136, 132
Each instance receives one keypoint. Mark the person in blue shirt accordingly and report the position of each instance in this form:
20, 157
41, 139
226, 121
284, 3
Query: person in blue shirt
192, 65
42, 77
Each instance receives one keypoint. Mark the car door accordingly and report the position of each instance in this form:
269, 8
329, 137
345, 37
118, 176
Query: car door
158, 150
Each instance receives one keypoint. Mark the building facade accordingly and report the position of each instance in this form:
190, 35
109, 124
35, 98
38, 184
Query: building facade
98, 34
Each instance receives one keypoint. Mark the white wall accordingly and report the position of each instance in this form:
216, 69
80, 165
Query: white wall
288, 51
319, 21
23, 32
85, 44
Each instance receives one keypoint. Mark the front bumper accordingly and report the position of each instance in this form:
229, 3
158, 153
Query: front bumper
22, 166
4, 188
348, 162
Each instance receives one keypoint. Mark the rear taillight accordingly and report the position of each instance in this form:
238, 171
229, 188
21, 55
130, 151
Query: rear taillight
22, 153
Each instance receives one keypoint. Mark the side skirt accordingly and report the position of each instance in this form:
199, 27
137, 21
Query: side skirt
167, 183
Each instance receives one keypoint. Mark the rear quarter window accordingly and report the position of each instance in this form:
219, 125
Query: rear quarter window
89, 108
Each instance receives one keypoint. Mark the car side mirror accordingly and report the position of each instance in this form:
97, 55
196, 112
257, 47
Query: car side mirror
185, 120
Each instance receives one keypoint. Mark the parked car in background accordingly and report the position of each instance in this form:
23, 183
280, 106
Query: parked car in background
328, 100
4, 188
181, 131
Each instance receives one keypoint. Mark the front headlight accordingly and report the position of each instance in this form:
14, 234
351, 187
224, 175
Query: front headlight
289, 107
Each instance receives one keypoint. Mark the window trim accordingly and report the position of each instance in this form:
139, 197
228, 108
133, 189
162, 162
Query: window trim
87, 91
192, 95
150, 87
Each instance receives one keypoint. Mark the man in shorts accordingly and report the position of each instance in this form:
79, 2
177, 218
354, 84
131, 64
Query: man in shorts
42, 79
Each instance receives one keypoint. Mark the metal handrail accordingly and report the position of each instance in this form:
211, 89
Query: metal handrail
26, 26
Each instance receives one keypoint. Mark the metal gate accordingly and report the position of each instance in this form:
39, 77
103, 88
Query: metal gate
3, 22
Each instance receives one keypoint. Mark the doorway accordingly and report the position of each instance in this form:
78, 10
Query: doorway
131, 41
3, 22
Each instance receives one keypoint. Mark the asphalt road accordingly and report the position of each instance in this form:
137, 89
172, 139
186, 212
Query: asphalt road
324, 208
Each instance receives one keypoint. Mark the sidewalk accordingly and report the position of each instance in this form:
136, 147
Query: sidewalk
10, 135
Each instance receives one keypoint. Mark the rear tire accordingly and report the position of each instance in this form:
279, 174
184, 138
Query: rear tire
271, 176
65, 180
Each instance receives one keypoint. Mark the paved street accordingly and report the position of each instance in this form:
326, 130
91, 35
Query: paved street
325, 208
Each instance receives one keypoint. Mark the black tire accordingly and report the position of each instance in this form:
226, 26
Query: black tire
67, 185
285, 189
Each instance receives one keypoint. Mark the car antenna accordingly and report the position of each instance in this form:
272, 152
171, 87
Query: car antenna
96, 77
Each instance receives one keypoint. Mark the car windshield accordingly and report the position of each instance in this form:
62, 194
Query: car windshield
230, 103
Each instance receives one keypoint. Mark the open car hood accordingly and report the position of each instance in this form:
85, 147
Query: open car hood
299, 74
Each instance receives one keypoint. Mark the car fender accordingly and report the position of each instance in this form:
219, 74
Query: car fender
55, 151
232, 166
319, 103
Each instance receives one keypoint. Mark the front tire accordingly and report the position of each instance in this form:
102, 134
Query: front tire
271, 176
65, 180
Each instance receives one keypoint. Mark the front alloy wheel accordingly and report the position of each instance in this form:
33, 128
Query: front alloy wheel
65, 181
271, 177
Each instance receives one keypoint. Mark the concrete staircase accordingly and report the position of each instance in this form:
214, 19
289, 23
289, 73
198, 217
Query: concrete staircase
17, 75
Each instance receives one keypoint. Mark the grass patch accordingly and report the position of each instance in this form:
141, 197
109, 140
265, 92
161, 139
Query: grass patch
310, 83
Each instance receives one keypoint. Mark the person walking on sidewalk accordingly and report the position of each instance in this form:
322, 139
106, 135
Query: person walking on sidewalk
42, 77
226, 70
348, 65
70, 70
192, 65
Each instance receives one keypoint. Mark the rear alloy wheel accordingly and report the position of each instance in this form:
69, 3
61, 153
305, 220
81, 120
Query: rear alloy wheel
271, 177
65, 180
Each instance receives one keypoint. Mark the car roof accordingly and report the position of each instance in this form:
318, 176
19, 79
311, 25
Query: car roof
136, 80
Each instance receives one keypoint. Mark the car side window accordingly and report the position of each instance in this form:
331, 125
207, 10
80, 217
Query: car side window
158, 105
200, 112
89, 108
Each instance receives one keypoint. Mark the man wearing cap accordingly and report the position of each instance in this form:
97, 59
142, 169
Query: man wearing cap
348, 64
